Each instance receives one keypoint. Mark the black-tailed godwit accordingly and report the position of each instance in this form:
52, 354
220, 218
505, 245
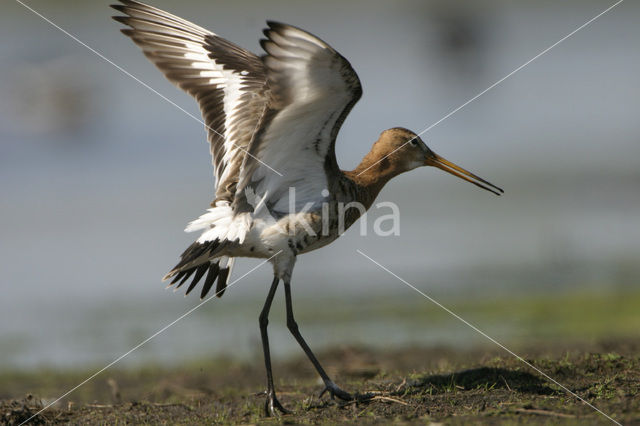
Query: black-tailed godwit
272, 122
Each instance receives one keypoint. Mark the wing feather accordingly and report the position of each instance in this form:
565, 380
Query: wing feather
312, 88
281, 111
227, 81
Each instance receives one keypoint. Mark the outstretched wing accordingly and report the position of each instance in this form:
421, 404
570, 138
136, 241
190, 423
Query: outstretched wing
227, 81
312, 88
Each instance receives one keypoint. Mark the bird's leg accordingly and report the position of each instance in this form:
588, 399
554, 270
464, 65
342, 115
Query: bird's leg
330, 387
272, 404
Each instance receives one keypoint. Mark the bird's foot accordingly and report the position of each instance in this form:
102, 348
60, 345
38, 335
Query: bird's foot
335, 391
272, 406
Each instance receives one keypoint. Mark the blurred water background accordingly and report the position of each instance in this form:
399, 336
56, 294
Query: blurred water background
98, 177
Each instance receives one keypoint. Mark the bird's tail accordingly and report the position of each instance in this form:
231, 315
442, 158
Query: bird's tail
200, 259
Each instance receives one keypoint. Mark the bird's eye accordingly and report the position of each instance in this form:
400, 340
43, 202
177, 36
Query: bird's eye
414, 142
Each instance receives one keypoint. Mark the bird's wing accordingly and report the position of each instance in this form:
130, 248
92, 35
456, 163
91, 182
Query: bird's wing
312, 88
227, 81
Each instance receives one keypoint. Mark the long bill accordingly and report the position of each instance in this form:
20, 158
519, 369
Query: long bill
435, 160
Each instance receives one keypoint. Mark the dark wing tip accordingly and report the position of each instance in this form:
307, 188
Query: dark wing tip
124, 4
131, 3
176, 277
185, 278
169, 274
211, 277
222, 281
272, 26
264, 41
121, 19
279, 27
199, 273
134, 5
275, 24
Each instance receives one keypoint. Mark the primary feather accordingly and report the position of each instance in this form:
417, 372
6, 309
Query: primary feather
271, 124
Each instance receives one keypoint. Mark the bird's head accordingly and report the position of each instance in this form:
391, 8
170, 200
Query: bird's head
402, 150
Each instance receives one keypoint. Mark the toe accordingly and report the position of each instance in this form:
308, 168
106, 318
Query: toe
335, 391
273, 408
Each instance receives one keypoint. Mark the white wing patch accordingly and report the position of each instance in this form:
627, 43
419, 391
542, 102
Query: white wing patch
312, 88
227, 81
285, 108
219, 223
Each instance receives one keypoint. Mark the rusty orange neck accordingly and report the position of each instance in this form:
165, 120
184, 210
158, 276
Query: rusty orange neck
371, 175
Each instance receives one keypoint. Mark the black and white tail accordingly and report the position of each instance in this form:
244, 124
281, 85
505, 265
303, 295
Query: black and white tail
198, 259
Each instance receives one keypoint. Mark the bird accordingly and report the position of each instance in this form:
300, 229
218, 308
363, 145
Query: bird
272, 122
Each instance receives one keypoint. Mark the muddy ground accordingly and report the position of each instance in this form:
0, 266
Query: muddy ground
414, 385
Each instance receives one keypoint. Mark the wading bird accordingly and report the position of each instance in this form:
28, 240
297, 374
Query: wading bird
272, 122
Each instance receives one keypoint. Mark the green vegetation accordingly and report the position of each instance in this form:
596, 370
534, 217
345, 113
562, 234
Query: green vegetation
589, 343
410, 386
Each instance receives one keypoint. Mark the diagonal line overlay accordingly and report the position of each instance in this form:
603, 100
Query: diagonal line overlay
162, 330
501, 80
476, 329
77, 40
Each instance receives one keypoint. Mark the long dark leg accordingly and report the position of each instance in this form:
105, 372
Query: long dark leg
330, 387
272, 404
